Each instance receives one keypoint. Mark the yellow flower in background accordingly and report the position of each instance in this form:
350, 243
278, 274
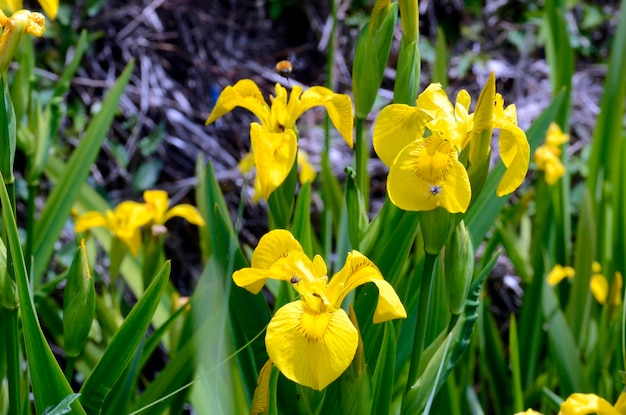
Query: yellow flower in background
312, 340
528, 412
124, 222
559, 273
157, 202
599, 286
306, 173
582, 404
274, 139
548, 155
50, 7
421, 147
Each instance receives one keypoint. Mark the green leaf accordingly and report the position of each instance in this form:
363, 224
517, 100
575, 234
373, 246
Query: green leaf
68, 187
48, 382
357, 213
7, 132
301, 228
121, 350
383, 379
64, 407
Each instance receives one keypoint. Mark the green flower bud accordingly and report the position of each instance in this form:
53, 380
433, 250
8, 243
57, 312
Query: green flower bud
459, 267
371, 55
79, 303
407, 82
436, 225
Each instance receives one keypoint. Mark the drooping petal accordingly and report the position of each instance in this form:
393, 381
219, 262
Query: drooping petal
274, 155
338, 106
397, 125
185, 211
158, 201
427, 174
587, 403
245, 94
558, 273
312, 349
90, 220
252, 279
273, 246
359, 270
261, 399
515, 154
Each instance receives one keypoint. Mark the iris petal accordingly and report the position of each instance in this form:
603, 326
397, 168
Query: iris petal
90, 220
245, 94
359, 270
515, 154
587, 403
185, 211
274, 155
338, 106
427, 174
397, 125
273, 246
312, 349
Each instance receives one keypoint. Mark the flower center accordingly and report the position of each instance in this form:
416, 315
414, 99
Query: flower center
314, 325
431, 161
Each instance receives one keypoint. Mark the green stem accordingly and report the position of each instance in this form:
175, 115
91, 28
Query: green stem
425, 297
30, 223
69, 368
362, 155
11, 331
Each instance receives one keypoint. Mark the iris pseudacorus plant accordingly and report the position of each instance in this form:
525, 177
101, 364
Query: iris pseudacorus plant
423, 145
274, 139
312, 340
548, 155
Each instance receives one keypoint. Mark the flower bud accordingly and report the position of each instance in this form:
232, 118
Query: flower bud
436, 225
79, 303
371, 55
459, 267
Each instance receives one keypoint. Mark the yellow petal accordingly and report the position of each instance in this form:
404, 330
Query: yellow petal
131, 214
132, 239
261, 399
555, 136
338, 106
158, 201
274, 155
558, 273
515, 154
529, 412
582, 404
312, 349
599, 287
246, 164
90, 220
620, 405
427, 174
185, 211
596, 267
272, 246
252, 279
359, 270
50, 7
307, 171
397, 125
434, 102
244, 93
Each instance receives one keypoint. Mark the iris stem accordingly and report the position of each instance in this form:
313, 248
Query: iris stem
362, 154
425, 297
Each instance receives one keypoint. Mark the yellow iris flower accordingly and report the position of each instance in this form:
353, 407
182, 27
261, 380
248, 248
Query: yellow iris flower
274, 139
124, 222
307, 171
599, 286
559, 273
548, 155
588, 403
312, 341
158, 203
421, 147
50, 7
